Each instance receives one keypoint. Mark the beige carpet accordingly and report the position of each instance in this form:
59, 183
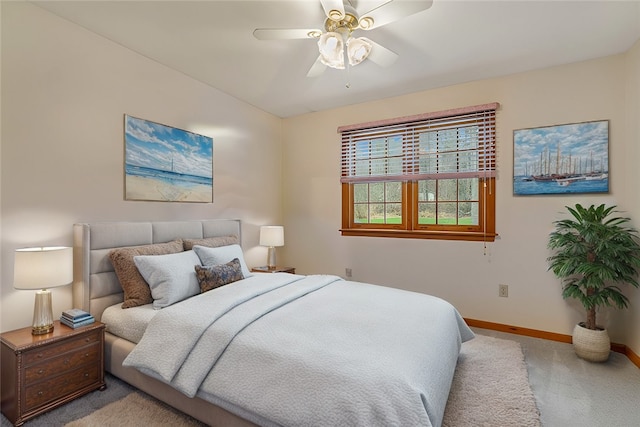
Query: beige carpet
490, 388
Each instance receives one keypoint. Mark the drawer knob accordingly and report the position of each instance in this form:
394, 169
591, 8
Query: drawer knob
40, 393
86, 355
66, 361
39, 356
41, 371
86, 374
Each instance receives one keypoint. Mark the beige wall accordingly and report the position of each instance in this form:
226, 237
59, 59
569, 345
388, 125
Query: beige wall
464, 272
64, 94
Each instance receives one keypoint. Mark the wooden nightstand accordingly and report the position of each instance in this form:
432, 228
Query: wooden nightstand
41, 372
265, 269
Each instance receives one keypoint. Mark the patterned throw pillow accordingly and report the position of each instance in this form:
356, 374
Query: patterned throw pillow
222, 255
211, 277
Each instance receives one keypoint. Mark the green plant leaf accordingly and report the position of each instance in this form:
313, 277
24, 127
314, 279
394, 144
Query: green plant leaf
594, 253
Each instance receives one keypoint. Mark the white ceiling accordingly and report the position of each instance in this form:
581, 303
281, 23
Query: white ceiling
451, 42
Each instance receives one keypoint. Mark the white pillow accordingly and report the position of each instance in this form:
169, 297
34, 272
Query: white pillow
171, 278
222, 255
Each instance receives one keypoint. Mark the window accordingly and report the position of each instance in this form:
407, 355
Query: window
428, 176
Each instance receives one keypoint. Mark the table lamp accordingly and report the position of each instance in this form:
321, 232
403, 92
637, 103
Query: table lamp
39, 269
271, 236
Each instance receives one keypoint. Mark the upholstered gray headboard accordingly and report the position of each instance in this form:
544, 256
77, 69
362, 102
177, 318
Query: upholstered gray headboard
95, 284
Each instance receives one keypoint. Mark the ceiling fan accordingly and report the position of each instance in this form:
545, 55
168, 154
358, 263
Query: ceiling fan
336, 44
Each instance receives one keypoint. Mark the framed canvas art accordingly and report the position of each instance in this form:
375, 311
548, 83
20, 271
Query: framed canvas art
166, 164
561, 159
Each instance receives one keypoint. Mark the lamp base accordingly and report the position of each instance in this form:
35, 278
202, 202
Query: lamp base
271, 257
42, 313
41, 330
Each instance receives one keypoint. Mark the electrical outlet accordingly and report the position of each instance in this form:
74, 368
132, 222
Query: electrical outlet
347, 273
503, 291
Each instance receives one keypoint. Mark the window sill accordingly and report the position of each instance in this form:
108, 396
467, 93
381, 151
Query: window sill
434, 235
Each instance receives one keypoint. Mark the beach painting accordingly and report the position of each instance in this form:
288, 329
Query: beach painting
562, 159
166, 164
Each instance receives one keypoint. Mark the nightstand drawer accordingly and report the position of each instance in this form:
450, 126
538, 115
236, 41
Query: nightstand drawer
62, 363
39, 354
60, 386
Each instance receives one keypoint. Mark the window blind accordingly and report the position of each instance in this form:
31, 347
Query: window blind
457, 143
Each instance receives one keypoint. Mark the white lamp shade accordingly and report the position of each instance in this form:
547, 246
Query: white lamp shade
271, 235
358, 50
41, 268
331, 47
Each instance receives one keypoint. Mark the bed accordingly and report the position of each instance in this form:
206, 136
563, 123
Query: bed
268, 349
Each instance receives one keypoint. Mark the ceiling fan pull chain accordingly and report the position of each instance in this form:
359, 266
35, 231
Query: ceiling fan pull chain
347, 68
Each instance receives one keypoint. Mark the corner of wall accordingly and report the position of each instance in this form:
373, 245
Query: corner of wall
632, 174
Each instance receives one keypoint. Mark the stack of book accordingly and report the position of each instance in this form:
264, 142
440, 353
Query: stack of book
74, 318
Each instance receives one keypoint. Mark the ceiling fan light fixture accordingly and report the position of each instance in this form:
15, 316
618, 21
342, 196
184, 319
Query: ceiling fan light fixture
365, 22
358, 50
336, 46
335, 15
331, 47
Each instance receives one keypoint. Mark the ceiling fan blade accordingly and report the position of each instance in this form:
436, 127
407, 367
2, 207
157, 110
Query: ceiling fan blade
334, 9
316, 69
286, 34
380, 54
392, 11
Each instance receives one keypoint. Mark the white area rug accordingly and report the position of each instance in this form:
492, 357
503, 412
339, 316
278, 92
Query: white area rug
490, 388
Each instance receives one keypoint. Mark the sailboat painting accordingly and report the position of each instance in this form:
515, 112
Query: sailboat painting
570, 158
166, 164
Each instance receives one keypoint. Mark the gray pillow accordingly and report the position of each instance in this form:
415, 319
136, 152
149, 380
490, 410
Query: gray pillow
171, 278
222, 255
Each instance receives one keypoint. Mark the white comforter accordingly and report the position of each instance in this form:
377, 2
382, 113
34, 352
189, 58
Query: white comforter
281, 349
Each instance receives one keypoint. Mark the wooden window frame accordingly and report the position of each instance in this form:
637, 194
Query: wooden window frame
409, 227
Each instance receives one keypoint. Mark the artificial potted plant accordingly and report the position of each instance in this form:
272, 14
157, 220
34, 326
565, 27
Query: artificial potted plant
594, 253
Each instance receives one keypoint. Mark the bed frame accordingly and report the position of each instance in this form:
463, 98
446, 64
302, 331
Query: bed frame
96, 287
